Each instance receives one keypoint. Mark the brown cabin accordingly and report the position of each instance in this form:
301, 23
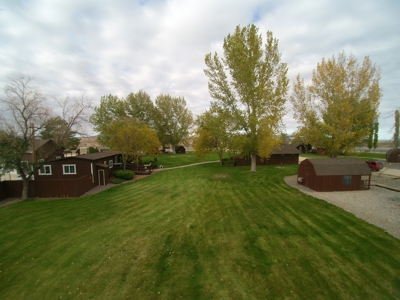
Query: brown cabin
332, 174
45, 149
180, 150
67, 177
393, 155
285, 155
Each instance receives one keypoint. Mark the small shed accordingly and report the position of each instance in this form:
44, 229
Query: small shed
332, 174
321, 151
285, 155
393, 155
180, 150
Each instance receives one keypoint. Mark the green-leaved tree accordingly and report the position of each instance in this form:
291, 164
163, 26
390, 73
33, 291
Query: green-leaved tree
173, 120
250, 81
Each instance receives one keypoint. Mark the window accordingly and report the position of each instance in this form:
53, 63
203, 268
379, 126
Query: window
69, 169
45, 170
347, 179
116, 159
110, 163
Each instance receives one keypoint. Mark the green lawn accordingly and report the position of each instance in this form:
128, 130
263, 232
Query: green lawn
173, 160
204, 232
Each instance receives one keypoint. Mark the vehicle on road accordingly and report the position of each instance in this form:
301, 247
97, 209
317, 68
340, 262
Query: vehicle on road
374, 165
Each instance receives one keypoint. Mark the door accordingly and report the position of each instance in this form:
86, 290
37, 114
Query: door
102, 179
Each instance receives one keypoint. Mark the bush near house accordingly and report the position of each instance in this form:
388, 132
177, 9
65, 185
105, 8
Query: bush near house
124, 174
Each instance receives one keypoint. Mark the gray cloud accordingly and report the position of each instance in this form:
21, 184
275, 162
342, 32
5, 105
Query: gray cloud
102, 47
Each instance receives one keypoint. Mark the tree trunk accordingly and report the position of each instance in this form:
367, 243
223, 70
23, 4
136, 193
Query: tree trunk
25, 188
253, 163
220, 158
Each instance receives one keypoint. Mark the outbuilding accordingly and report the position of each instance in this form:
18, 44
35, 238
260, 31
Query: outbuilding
284, 155
333, 174
393, 155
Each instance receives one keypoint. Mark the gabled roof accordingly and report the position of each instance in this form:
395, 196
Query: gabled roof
341, 166
38, 144
98, 155
286, 149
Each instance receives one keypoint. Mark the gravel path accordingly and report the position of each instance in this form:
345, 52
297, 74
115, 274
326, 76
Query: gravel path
377, 206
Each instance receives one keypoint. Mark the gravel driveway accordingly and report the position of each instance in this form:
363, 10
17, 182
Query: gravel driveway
378, 206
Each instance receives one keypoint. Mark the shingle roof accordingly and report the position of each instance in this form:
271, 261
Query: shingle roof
98, 155
286, 149
38, 144
340, 166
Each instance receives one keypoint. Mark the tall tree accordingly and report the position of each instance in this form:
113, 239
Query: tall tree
58, 130
335, 111
26, 113
111, 108
215, 129
376, 130
251, 83
133, 139
173, 120
140, 106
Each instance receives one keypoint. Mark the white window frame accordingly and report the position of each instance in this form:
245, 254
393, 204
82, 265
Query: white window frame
45, 170
69, 173
110, 163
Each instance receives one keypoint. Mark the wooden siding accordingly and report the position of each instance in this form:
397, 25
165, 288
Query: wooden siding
52, 188
393, 155
328, 183
59, 185
275, 159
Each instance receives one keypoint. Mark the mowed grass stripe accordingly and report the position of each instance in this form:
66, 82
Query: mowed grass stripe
204, 232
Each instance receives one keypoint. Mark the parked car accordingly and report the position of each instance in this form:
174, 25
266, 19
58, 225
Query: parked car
374, 165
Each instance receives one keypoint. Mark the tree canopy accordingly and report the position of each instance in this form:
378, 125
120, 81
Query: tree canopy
251, 83
133, 139
215, 132
27, 114
335, 111
173, 120
57, 129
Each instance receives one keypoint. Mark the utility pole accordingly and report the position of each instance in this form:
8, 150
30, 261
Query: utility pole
33, 143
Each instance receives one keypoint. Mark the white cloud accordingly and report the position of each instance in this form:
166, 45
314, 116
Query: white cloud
103, 47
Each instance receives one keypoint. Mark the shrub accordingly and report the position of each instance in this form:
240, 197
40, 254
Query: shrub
228, 161
124, 174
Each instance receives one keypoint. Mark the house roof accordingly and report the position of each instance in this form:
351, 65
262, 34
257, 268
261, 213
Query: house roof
391, 151
38, 144
286, 149
341, 166
98, 155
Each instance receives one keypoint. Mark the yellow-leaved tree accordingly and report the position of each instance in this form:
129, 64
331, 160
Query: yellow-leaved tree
335, 111
251, 83
133, 139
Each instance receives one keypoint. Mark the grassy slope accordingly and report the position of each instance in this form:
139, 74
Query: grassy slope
173, 160
204, 232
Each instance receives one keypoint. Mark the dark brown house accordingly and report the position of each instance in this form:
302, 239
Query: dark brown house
67, 177
393, 155
332, 174
285, 155
180, 150
43, 149
321, 152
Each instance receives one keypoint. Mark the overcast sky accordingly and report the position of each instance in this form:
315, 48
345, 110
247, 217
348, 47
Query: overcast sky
117, 47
